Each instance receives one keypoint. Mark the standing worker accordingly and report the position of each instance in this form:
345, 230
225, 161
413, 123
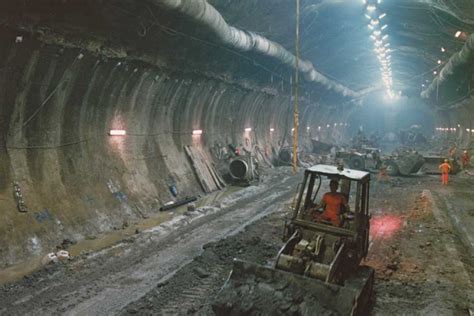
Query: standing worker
465, 159
445, 167
452, 151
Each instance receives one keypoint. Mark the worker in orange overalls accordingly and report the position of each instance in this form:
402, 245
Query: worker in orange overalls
332, 203
445, 167
465, 159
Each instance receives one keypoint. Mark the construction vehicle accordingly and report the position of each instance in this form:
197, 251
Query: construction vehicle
318, 270
432, 163
401, 163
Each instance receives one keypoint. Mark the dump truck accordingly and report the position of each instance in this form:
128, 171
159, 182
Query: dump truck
318, 269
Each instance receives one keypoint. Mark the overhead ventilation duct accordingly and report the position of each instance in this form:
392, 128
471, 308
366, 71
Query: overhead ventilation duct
204, 13
458, 61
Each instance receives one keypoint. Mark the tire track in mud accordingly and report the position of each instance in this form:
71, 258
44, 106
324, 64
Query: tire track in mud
191, 298
192, 288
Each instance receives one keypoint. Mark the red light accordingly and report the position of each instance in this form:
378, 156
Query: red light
385, 226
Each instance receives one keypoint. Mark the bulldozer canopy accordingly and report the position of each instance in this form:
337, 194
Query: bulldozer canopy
333, 171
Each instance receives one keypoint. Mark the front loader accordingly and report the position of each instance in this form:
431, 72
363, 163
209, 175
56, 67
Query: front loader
318, 270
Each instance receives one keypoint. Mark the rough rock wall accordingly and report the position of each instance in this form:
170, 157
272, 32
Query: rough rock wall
57, 106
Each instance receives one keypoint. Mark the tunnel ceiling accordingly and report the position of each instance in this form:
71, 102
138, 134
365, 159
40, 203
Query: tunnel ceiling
334, 35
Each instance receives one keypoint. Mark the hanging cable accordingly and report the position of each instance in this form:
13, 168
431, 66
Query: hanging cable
295, 106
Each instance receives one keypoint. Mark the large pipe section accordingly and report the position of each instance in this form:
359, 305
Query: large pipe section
205, 14
456, 62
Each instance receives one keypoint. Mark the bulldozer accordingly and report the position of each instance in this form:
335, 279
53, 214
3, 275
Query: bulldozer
400, 163
318, 269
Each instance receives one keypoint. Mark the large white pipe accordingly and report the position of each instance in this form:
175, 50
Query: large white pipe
459, 60
204, 13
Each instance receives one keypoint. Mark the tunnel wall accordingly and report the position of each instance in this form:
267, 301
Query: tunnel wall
460, 118
57, 107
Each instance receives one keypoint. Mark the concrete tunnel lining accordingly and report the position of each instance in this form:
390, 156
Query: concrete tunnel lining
68, 82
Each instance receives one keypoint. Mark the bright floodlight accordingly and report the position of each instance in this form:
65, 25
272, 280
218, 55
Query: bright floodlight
197, 132
374, 22
371, 8
458, 33
248, 129
117, 132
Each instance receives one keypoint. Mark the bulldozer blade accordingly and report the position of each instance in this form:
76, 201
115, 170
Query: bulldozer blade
253, 289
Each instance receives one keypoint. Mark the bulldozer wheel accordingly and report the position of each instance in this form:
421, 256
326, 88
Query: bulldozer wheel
357, 163
392, 168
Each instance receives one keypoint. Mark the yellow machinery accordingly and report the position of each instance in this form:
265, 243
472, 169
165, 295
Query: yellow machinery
317, 271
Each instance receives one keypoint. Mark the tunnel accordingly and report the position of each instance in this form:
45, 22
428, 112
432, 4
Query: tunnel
153, 152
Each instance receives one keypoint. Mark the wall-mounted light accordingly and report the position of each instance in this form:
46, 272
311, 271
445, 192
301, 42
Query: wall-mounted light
117, 132
457, 34
435, 72
272, 130
439, 61
248, 129
443, 49
197, 132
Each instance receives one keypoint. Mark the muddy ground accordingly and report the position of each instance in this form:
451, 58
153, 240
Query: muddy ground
415, 273
421, 267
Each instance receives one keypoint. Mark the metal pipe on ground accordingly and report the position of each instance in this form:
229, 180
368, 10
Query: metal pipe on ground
178, 203
239, 169
204, 13
457, 62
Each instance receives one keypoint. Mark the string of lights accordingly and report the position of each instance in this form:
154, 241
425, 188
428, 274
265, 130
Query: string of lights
381, 42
